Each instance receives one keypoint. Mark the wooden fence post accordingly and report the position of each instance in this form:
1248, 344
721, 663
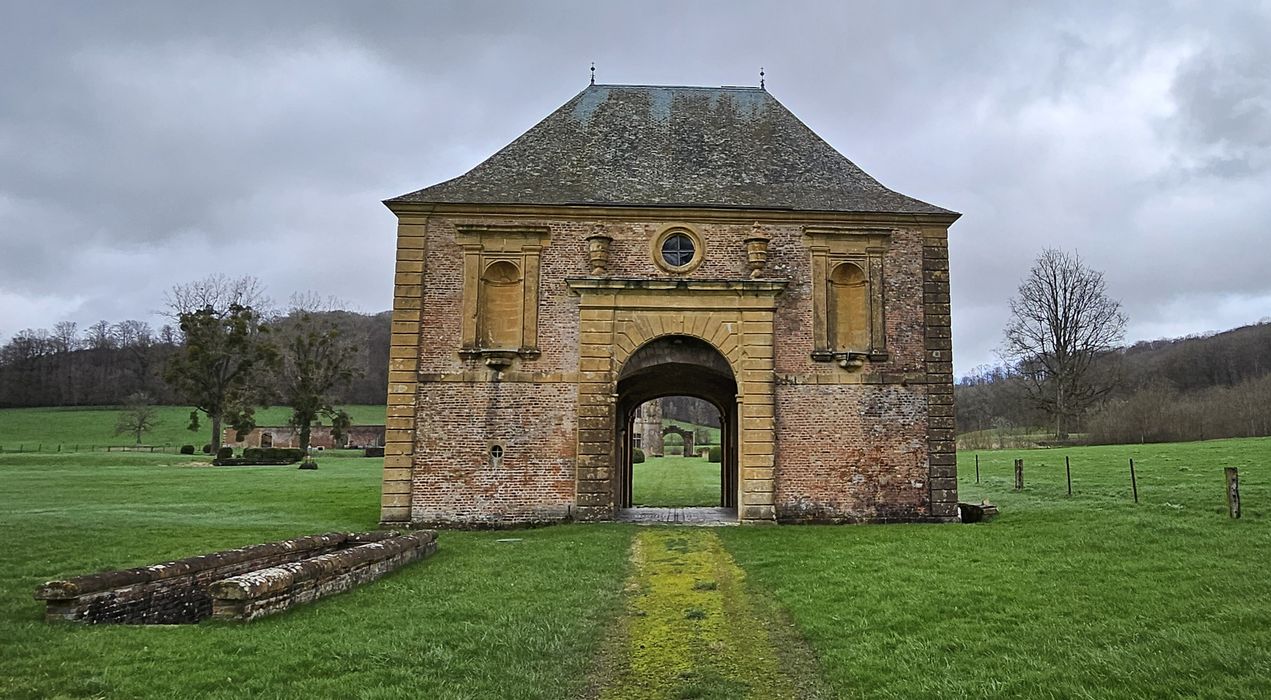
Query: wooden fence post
977, 469
1134, 482
1233, 492
1019, 475
1068, 473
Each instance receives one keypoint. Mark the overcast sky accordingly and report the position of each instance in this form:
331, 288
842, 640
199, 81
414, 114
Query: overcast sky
148, 144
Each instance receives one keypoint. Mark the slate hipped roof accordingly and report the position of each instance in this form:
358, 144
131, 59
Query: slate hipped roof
639, 145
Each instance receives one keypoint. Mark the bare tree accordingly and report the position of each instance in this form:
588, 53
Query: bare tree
65, 336
218, 293
1062, 319
99, 336
138, 417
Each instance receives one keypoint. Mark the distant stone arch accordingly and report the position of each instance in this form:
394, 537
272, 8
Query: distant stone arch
685, 435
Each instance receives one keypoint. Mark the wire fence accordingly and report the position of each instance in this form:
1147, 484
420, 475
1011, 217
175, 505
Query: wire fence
1191, 481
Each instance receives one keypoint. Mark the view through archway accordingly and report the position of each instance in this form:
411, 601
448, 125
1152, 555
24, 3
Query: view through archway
678, 390
677, 455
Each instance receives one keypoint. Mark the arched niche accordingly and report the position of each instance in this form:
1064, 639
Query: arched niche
849, 308
499, 326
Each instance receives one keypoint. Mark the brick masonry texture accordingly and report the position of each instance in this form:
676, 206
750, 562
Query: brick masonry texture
851, 453
869, 445
177, 592
456, 478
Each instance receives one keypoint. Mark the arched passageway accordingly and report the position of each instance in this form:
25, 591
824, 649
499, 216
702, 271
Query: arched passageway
677, 365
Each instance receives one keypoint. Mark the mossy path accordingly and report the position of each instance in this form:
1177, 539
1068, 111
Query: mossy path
691, 629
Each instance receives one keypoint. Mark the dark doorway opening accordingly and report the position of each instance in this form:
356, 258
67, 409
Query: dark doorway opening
677, 366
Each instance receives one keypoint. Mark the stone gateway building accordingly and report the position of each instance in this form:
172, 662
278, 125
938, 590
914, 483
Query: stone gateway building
644, 241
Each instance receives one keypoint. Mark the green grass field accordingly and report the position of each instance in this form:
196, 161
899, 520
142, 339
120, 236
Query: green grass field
30, 428
1091, 596
480, 619
674, 482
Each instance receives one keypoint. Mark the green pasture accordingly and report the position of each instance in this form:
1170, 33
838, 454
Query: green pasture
675, 482
1088, 596
49, 428
480, 619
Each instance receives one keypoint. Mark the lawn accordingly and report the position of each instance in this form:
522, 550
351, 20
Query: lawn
1091, 596
675, 482
47, 428
481, 619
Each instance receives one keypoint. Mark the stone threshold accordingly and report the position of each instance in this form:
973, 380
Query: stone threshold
698, 516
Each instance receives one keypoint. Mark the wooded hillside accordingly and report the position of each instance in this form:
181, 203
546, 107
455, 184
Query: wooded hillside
107, 362
1192, 388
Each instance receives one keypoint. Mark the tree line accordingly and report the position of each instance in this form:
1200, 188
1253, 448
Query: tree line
225, 352
1065, 368
108, 362
1193, 388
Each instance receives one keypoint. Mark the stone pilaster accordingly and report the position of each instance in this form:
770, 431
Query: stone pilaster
757, 422
596, 468
941, 451
403, 378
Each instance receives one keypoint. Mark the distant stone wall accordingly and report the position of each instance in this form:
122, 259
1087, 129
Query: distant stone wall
177, 592
287, 436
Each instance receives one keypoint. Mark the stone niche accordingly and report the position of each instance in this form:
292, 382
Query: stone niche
235, 584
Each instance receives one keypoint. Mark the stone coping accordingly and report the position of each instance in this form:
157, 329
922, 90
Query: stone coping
277, 579
107, 580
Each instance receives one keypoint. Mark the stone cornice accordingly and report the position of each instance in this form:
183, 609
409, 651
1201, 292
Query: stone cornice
739, 215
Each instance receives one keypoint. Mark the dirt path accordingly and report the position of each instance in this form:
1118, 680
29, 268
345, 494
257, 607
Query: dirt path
692, 630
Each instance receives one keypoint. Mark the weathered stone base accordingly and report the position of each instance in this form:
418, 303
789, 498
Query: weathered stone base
177, 592
268, 591
851, 520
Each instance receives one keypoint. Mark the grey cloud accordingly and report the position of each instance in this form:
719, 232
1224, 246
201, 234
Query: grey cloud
152, 143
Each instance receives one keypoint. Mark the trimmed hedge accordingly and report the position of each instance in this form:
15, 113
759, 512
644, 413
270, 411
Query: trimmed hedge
187, 449
716, 455
225, 452
207, 449
637, 456
286, 455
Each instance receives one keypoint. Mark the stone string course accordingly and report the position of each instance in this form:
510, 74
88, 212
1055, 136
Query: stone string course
177, 592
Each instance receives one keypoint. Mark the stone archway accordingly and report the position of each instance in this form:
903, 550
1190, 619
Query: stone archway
677, 365
617, 317
686, 437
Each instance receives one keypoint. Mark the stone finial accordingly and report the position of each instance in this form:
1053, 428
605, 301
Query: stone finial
757, 250
598, 251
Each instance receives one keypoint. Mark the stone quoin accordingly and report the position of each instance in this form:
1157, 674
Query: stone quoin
646, 241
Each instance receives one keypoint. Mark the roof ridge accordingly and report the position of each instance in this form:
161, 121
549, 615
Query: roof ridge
756, 88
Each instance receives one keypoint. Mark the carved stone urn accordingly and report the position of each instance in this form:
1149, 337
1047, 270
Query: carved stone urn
598, 252
757, 250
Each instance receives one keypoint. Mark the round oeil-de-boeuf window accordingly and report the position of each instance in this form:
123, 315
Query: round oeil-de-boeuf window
677, 250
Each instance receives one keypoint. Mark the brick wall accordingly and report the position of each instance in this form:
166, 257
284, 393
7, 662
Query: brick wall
848, 445
851, 453
457, 479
